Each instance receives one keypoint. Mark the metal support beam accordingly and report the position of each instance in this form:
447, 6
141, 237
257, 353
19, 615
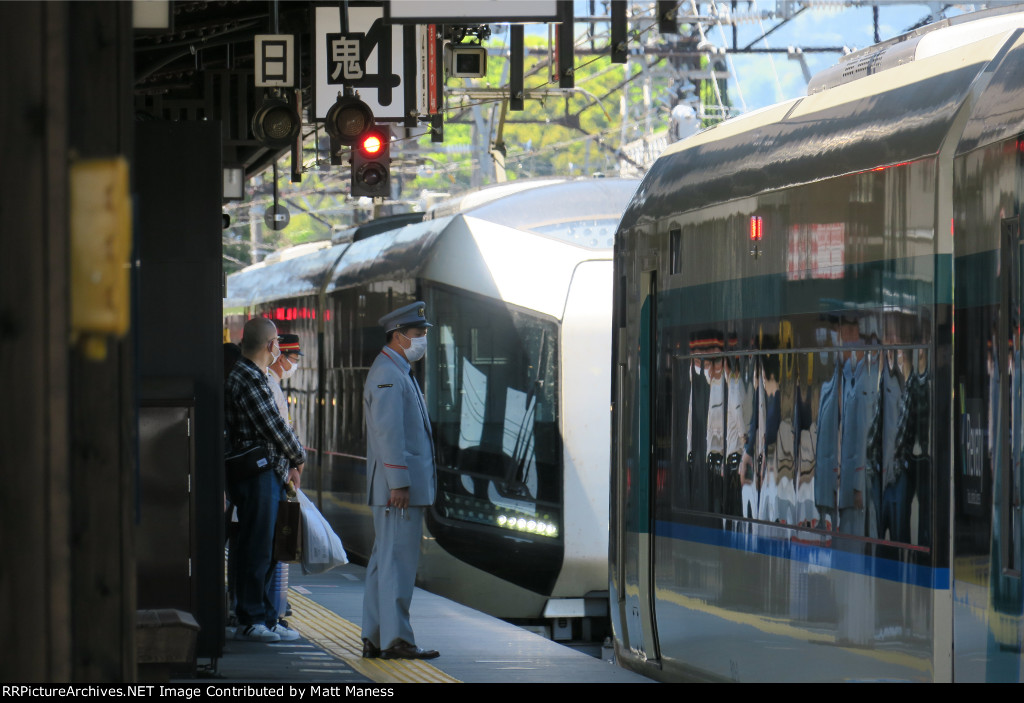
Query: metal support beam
515, 76
618, 31
566, 53
667, 10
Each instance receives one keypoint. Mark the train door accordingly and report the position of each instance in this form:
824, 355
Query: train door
1007, 599
986, 564
636, 540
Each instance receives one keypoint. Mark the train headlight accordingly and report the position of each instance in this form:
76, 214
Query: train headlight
484, 512
523, 524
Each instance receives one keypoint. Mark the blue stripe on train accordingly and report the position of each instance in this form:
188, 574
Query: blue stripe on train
824, 557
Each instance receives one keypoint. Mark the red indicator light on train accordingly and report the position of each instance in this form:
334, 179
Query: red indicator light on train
756, 228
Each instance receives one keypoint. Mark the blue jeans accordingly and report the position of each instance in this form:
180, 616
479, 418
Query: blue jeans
256, 499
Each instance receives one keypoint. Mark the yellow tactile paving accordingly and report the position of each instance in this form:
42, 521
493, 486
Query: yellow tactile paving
340, 638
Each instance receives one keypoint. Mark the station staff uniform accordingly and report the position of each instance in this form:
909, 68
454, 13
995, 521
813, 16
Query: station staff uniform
399, 454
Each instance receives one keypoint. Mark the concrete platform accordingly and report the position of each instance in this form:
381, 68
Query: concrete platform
475, 648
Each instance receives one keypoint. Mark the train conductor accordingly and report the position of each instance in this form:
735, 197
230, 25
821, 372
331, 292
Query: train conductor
400, 484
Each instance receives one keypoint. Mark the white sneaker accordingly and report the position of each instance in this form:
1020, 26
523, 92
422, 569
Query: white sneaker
256, 633
286, 633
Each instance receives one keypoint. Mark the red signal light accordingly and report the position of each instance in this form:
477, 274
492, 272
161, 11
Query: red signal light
372, 144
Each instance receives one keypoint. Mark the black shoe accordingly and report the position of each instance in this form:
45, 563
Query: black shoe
370, 650
404, 650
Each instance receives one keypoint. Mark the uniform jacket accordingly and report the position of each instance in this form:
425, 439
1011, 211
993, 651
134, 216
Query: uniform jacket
399, 449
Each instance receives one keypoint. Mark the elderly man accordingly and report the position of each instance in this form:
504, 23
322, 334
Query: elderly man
276, 456
401, 483
283, 369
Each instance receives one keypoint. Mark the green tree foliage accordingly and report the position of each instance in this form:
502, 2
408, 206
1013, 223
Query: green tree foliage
574, 135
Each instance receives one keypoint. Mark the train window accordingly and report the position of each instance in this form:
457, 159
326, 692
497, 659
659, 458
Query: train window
833, 441
597, 233
493, 403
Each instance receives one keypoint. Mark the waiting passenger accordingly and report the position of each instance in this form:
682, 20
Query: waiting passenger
269, 456
282, 369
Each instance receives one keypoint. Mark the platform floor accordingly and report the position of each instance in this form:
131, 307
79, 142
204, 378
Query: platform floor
475, 648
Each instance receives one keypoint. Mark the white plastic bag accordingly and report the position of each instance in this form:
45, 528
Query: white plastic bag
321, 547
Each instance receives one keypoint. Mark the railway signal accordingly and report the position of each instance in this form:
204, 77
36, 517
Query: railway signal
348, 120
276, 123
371, 163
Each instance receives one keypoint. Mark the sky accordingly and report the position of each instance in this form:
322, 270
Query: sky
763, 81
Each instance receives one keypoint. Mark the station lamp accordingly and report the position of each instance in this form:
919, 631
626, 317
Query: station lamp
371, 162
348, 120
276, 123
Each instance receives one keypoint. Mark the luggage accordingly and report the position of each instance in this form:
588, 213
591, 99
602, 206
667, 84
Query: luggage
288, 530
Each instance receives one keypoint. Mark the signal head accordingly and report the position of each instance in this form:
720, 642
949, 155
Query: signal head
371, 159
276, 123
348, 120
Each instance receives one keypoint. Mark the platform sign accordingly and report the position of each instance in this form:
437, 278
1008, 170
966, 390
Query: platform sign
275, 60
368, 57
344, 62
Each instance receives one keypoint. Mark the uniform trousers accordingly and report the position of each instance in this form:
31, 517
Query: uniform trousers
391, 575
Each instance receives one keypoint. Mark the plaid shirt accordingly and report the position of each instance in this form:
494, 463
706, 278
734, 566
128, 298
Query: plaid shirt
252, 419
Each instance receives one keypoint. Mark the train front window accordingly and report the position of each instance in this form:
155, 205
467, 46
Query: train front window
595, 233
492, 389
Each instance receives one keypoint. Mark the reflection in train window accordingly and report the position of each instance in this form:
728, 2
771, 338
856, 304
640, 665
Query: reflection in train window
828, 441
493, 394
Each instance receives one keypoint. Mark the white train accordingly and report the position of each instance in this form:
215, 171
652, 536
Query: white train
817, 378
517, 281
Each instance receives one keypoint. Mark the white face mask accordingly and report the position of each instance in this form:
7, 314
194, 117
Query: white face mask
417, 349
290, 372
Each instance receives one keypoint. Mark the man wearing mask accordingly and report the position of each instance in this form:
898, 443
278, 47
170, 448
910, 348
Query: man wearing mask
283, 369
254, 423
400, 481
